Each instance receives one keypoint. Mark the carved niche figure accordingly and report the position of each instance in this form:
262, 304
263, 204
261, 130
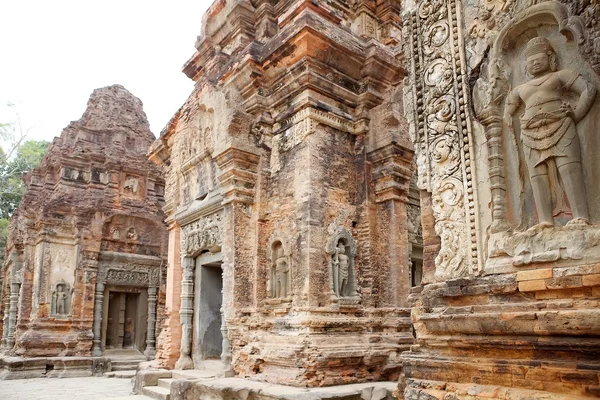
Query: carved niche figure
132, 234
131, 184
341, 248
61, 299
280, 287
548, 130
281, 274
115, 233
340, 270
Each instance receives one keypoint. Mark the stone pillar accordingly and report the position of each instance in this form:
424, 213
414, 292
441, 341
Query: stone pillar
186, 313
391, 176
5, 322
12, 314
225, 346
150, 334
97, 342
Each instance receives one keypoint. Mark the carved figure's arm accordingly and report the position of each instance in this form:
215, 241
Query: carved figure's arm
585, 90
513, 101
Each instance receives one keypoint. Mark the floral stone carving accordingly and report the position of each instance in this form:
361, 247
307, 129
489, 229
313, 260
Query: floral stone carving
440, 125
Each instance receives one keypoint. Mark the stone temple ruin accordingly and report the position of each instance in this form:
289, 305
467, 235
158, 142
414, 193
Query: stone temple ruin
363, 199
84, 276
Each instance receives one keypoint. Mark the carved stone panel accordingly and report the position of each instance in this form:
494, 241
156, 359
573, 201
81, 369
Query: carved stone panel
341, 250
203, 234
129, 275
535, 98
436, 102
279, 280
61, 299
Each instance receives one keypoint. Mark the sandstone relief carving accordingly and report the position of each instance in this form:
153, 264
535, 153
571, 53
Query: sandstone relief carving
548, 131
61, 299
203, 234
131, 184
550, 101
341, 250
440, 126
279, 284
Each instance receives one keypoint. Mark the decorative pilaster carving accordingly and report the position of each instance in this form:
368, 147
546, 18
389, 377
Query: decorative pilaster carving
186, 314
97, 328
437, 102
12, 314
151, 329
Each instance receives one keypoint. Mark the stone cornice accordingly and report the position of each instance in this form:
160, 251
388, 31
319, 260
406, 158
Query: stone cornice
391, 172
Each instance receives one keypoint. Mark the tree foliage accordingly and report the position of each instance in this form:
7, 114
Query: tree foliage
17, 157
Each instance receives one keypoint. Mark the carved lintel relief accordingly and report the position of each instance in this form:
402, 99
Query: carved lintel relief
279, 254
436, 100
204, 234
341, 251
549, 218
129, 275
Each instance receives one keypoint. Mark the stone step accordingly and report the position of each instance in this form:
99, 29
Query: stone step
192, 374
124, 367
128, 361
165, 382
156, 392
126, 374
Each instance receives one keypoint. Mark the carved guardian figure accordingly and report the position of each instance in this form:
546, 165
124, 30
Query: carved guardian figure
548, 130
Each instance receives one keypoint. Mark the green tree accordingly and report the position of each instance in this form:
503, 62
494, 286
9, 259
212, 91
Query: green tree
17, 157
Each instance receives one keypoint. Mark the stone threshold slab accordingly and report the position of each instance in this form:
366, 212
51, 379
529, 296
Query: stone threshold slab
227, 388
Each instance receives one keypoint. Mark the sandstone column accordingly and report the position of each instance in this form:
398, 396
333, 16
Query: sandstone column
12, 314
5, 322
391, 173
186, 313
150, 334
97, 342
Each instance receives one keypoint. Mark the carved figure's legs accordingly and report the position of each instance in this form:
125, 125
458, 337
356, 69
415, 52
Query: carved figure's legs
336, 279
540, 185
343, 287
572, 177
284, 281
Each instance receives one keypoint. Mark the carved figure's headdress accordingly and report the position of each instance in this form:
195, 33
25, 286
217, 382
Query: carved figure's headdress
538, 45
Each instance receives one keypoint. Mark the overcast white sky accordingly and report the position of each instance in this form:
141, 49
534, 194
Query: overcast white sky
54, 53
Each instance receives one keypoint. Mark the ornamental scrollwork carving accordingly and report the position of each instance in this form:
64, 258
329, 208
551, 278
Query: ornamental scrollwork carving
203, 234
437, 109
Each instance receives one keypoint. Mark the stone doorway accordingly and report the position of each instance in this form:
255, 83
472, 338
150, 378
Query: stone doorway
125, 318
208, 336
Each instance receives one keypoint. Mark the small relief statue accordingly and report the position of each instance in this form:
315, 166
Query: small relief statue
548, 130
115, 233
60, 299
281, 275
132, 234
340, 270
131, 184
279, 281
341, 250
